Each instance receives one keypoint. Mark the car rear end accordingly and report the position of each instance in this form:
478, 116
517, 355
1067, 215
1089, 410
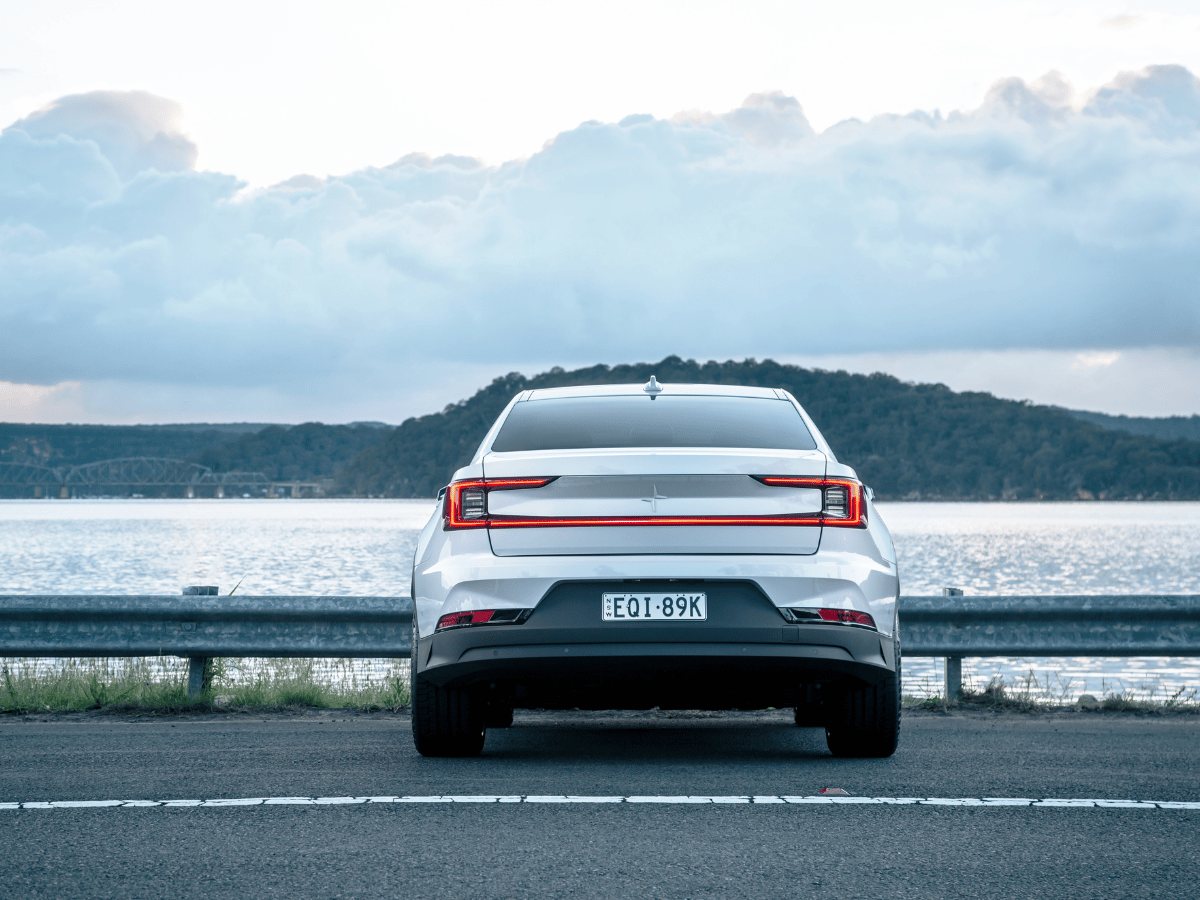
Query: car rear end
678, 546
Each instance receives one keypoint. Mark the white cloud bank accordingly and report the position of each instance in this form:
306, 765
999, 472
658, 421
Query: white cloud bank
1036, 222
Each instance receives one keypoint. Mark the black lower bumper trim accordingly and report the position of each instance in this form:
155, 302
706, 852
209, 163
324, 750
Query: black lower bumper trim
743, 656
670, 676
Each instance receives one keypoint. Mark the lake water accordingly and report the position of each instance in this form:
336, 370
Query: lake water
365, 547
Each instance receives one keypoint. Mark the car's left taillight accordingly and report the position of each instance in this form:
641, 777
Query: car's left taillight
842, 500
468, 617
466, 501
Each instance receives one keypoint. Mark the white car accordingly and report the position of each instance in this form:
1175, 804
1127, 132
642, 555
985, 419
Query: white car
679, 546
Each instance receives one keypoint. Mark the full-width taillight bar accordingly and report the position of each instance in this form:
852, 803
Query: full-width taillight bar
466, 506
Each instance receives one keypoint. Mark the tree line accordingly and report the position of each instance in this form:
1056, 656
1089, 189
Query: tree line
907, 441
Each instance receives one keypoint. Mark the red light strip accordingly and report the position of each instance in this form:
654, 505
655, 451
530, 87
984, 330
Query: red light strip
454, 519
500, 484
523, 522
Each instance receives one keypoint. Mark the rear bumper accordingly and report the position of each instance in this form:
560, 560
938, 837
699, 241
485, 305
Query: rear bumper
847, 573
745, 656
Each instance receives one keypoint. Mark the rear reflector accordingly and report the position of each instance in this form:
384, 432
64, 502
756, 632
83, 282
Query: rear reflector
846, 617
459, 619
482, 617
810, 616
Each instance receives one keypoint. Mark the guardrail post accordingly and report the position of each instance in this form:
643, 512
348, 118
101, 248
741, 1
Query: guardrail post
199, 667
953, 678
199, 676
953, 686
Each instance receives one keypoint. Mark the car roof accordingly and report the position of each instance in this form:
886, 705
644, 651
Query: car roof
631, 390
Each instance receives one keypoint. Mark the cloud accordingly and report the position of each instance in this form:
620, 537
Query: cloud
1032, 222
1122, 22
1095, 359
770, 119
133, 129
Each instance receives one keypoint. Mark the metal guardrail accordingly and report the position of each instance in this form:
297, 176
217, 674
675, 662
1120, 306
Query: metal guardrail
201, 626
1056, 625
190, 626
953, 626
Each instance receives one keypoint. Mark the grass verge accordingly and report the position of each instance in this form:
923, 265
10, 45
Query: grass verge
160, 686
1027, 694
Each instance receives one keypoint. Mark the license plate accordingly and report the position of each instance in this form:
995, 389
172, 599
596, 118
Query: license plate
681, 607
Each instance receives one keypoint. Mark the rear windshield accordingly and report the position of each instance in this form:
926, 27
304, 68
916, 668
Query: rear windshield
575, 423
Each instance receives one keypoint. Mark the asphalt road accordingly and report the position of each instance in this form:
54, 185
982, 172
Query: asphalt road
626, 850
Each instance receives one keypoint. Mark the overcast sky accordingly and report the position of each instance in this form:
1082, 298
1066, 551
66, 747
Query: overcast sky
281, 212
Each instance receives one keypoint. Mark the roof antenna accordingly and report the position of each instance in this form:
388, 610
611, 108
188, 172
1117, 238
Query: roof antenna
652, 387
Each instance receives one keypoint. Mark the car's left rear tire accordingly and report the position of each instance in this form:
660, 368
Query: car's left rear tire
445, 721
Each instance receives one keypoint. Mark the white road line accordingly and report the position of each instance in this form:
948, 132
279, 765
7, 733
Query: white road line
1027, 802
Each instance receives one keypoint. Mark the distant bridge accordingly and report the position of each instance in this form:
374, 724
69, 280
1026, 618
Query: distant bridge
20, 473
130, 471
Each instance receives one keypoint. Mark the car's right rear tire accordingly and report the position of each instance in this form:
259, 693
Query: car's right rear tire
865, 721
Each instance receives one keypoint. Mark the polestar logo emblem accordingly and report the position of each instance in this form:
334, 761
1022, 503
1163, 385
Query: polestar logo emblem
653, 499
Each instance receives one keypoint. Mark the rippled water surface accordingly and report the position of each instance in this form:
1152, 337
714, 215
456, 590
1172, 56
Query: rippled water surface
348, 547
1047, 548
365, 547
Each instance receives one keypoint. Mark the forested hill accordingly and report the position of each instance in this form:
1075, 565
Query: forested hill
908, 441
298, 453
281, 452
1169, 427
66, 445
